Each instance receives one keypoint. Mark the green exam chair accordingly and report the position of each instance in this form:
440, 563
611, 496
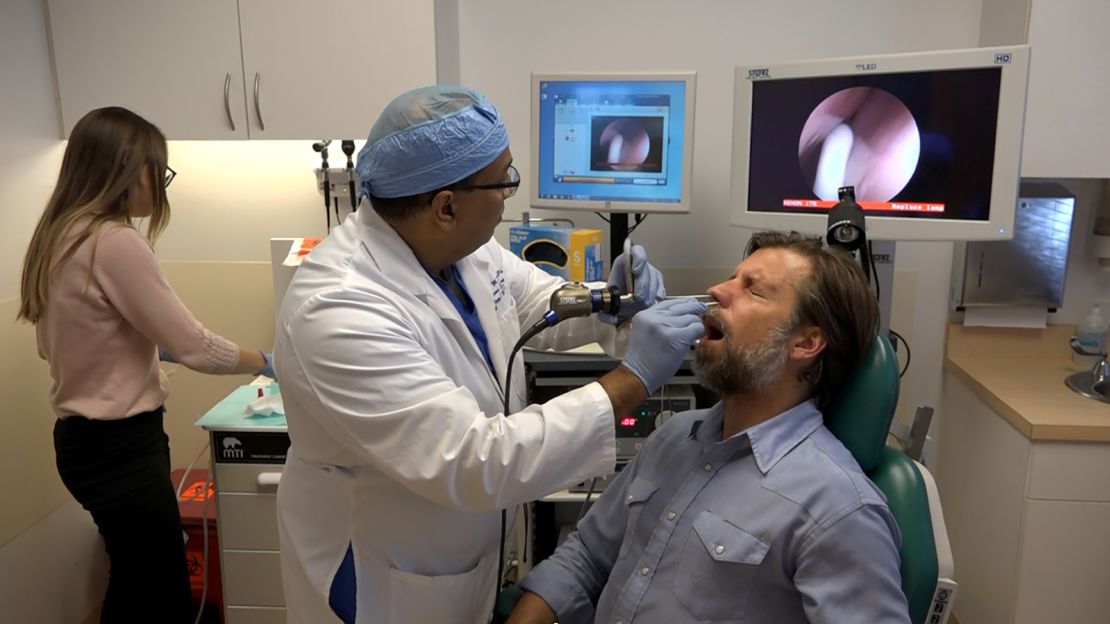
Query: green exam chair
861, 417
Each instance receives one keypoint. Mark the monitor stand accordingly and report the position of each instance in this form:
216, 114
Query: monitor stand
618, 231
882, 252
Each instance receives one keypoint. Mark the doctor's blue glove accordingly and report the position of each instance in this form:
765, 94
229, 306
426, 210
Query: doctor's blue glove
268, 368
164, 356
647, 282
660, 339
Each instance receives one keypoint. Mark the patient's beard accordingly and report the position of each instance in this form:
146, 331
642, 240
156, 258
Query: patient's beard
743, 370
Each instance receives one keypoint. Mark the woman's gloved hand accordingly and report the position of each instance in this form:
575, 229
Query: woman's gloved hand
268, 368
647, 284
660, 340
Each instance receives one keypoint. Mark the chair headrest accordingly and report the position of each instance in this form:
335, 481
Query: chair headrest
859, 416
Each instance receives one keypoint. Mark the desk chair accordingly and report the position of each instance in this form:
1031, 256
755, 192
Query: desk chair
860, 417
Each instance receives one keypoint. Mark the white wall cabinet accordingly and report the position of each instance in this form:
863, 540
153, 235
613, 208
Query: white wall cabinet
1066, 130
176, 63
311, 84
221, 69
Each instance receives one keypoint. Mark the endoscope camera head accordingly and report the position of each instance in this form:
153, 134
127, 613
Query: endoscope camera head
575, 299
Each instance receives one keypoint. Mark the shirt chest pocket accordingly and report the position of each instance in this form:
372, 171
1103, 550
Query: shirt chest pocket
716, 575
637, 496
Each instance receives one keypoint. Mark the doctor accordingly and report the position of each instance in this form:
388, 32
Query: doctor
392, 343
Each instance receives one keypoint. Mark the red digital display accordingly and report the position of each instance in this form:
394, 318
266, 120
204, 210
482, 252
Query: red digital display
628, 421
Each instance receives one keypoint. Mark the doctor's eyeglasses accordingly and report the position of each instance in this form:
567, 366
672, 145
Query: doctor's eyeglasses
508, 187
170, 175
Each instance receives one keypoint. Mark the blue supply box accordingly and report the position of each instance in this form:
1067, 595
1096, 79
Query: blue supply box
572, 254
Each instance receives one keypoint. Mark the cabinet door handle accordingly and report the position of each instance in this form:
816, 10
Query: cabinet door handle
258, 101
269, 479
227, 101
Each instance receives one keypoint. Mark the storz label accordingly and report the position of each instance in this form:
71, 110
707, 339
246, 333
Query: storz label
1002, 58
756, 74
238, 447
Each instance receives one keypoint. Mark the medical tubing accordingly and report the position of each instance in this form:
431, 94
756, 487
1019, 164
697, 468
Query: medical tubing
204, 558
586, 502
327, 193
549, 318
867, 249
204, 528
908, 356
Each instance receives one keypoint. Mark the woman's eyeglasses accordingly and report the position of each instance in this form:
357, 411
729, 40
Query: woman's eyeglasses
170, 175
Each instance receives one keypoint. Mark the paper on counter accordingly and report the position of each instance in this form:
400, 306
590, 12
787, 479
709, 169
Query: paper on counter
299, 249
1026, 317
265, 406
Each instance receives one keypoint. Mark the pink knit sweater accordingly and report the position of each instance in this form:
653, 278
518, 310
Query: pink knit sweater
99, 330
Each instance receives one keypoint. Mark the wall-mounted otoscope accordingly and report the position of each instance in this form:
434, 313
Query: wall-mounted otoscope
349, 150
322, 148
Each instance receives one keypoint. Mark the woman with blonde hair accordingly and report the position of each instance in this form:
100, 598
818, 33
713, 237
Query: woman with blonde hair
101, 307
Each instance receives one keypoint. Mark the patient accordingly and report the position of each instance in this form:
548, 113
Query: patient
749, 511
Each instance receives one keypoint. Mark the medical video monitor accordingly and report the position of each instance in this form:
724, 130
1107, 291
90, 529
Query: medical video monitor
612, 142
931, 142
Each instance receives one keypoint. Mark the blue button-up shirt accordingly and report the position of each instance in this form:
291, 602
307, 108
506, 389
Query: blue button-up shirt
776, 524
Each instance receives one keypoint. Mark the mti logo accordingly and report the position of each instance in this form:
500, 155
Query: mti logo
232, 448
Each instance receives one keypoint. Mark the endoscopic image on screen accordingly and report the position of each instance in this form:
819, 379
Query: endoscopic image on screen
914, 144
862, 137
626, 143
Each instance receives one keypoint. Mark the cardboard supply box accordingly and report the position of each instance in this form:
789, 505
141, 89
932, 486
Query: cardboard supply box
574, 255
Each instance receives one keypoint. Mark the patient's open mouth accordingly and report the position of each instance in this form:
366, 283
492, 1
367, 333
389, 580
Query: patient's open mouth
713, 328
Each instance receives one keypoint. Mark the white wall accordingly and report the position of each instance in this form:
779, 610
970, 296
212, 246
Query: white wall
30, 151
230, 197
39, 516
501, 44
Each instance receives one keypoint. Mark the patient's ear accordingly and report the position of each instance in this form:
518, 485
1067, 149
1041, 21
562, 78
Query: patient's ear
807, 343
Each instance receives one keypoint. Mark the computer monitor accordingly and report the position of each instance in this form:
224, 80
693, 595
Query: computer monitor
931, 142
613, 142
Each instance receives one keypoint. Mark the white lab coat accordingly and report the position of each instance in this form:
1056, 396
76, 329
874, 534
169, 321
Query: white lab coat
399, 444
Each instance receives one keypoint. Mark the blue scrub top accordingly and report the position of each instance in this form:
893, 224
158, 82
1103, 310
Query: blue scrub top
466, 310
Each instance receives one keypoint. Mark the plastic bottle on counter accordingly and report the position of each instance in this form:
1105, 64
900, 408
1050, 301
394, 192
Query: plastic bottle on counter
1091, 335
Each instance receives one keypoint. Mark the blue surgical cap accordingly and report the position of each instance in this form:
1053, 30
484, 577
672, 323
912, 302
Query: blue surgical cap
430, 138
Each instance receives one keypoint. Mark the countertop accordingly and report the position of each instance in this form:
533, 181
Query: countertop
1020, 374
231, 413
